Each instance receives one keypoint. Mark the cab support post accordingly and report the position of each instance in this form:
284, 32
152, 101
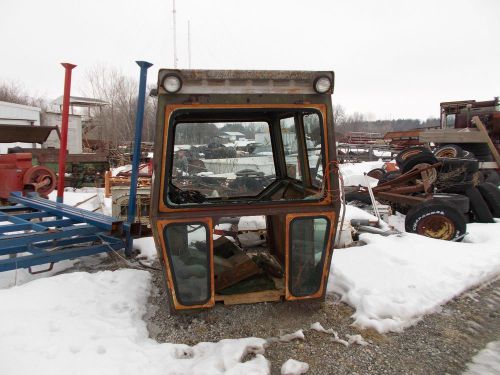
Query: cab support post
139, 120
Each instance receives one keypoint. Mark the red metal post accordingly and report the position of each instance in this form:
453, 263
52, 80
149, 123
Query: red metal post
64, 131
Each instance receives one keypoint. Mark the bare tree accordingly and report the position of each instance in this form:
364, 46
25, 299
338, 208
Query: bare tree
14, 93
120, 91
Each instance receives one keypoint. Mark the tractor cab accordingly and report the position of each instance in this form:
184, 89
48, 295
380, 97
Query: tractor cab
245, 195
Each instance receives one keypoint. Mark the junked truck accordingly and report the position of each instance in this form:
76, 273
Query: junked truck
263, 228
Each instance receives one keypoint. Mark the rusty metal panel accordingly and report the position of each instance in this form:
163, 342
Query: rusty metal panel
25, 133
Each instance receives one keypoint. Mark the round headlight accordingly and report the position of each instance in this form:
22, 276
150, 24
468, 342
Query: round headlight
172, 83
322, 85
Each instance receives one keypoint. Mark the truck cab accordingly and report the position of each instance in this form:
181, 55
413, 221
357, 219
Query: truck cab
245, 195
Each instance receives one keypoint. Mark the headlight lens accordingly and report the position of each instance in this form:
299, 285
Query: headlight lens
172, 83
322, 85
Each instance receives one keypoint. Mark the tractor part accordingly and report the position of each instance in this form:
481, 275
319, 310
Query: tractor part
479, 207
449, 151
421, 160
436, 219
377, 173
389, 177
39, 179
409, 152
491, 195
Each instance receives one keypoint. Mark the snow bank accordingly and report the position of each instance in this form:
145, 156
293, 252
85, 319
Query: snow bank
353, 173
393, 281
83, 323
487, 361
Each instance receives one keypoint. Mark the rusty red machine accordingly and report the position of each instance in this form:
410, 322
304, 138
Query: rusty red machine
18, 174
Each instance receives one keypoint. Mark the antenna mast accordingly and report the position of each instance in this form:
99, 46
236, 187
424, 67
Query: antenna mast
175, 36
189, 44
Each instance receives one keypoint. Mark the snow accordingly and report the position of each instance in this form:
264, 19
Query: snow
353, 173
393, 281
81, 323
297, 335
147, 247
293, 367
486, 362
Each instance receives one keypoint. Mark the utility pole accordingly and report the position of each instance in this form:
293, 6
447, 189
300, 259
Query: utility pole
175, 36
189, 44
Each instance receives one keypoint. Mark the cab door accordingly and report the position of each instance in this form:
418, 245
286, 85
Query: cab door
309, 241
187, 256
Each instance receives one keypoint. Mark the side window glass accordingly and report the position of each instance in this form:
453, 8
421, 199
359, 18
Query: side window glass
308, 240
314, 145
290, 147
189, 257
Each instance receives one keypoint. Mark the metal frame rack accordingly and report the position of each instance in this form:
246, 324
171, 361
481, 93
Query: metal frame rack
42, 231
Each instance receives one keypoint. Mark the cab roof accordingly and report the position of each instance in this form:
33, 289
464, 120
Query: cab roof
194, 81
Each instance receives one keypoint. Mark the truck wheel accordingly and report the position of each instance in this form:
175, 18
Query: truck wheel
491, 195
480, 150
409, 152
492, 176
423, 159
456, 175
479, 206
436, 219
461, 202
449, 151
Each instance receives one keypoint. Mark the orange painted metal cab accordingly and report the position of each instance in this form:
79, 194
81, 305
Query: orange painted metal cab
245, 196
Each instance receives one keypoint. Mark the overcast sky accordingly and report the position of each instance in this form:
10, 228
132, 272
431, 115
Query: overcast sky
392, 59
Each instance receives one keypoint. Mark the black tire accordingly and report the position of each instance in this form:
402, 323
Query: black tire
411, 161
461, 202
449, 151
358, 196
492, 176
436, 219
389, 177
409, 152
480, 150
478, 206
491, 195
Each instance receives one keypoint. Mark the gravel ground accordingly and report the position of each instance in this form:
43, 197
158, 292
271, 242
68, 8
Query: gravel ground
441, 343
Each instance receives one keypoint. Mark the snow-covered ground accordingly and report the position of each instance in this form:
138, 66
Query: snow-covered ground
80, 323
487, 361
353, 173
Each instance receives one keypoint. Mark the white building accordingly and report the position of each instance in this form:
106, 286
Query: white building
18, 114
74, 131
233, 136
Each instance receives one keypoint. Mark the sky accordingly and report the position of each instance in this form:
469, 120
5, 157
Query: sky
392, 58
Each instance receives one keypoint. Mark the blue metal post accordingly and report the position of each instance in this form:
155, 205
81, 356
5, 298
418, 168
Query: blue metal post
139, 119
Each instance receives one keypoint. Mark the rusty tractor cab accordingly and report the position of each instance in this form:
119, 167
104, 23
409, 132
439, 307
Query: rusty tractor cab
245, 194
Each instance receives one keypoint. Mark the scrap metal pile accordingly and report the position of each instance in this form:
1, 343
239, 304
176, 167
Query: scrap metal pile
440, 191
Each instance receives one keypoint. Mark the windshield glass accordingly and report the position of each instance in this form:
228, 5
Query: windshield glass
238, 159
